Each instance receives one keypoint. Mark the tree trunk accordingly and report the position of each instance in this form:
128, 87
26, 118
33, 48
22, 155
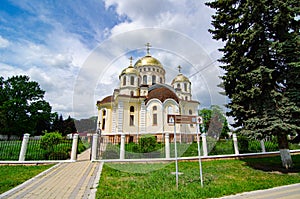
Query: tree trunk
285, 155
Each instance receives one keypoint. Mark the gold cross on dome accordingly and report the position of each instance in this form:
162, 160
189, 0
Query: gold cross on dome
130, 58
179, 68
148, 47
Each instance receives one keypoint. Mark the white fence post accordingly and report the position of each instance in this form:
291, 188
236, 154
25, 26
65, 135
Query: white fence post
122, 148
167, 145
204, 144
262, 144
24, 147
94, 147
235, 144
74, 147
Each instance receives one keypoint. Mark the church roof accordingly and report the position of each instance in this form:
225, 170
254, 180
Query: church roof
130, 70
106, 100
161, 92
180, 78
148, 60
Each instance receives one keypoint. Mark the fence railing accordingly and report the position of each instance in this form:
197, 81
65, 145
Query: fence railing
30, 149
131, 146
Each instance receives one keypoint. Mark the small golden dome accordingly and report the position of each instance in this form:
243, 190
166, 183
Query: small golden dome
148, 60
130, 70
180, 78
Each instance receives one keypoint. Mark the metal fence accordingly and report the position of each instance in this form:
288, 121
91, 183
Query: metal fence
10, 150
154, 146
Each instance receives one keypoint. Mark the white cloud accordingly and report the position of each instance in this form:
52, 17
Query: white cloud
3, 42
59, 58
190, 17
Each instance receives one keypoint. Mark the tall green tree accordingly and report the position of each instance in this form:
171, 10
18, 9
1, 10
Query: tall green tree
22, 106
69, 126
261, 63
62, 126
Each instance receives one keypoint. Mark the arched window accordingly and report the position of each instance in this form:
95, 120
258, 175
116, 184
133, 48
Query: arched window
103, 119
186, 98
154, 116
185, 87
131, 80
124, 80
145, 79
131, 109
161, 80
131, 116
178, 85
170, 110
154, 108
153, 79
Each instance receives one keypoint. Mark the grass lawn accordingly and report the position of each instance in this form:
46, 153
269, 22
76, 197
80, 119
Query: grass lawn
12, 176
221, 177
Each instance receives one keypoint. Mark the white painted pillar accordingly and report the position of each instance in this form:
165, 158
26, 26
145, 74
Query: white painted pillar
122, 148
74, 147
204, 144
235, 144
94, 147
262, 144
24, 147
167, 145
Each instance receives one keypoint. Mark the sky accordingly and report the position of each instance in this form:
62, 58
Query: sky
76, 50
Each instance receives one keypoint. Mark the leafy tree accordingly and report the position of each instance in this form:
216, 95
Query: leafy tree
22, 106
206, 116
261, 63
214, 114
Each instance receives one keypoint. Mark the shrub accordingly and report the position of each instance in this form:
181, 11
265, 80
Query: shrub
147, 144
50, 140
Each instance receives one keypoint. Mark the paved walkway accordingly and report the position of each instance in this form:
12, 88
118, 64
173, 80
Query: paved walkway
64, 180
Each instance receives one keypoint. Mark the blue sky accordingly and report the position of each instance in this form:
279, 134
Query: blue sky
52, 42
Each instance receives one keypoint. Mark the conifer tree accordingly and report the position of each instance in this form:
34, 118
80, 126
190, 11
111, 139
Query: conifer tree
261, 62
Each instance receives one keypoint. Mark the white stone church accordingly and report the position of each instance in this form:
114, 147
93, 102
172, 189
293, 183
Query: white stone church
143, 100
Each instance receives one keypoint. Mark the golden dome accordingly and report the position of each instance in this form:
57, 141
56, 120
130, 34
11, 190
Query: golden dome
148, 60
130, 70
180, 78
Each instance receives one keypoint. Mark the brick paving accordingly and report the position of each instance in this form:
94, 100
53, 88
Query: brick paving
65, 180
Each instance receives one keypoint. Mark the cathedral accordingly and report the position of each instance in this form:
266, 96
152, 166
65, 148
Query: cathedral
143, 100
